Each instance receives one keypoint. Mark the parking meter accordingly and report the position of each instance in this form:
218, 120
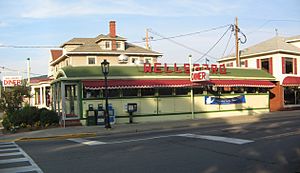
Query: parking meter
131, 108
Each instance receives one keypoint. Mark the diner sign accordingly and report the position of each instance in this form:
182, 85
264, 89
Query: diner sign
9, 81
198, 76
174, 68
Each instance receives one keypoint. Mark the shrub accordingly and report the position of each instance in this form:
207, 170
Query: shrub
48, 117
6, 123
29, 115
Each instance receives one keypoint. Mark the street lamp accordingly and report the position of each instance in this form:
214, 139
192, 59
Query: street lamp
105, 71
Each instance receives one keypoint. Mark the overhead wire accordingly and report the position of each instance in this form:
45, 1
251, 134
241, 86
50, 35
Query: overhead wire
230, 27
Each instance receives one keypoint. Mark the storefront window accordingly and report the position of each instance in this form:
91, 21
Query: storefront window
147, 91
182, 91
251, 90
291, 95
112, 93
91, 93
198, 90
263, 90
165, 91
288, 65
265, 64
130, 92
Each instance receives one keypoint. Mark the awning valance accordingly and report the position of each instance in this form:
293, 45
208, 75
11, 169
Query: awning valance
291, 81
130, 83
242, 83
160, 83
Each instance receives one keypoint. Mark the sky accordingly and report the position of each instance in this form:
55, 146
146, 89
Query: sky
50, 23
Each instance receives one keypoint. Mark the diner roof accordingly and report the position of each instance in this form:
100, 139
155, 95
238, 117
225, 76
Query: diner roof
131, 72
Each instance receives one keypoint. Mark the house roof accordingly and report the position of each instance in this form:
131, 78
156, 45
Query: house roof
55, 54
293, 39
274, 44
90, 45
127, 72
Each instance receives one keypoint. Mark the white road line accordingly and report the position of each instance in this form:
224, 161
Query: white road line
20, 169
34, 165
7, 146
217, 138
89, 142
86, 142
13, 161
8, 149
32, 168
6, 143
11, 154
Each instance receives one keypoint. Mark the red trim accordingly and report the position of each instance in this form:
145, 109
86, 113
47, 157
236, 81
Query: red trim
295, 65
258, 63
158, 83
246, 63
283, 65
271, 65
291, 81
244, 83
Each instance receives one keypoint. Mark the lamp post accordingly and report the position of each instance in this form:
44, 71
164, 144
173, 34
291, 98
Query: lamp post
105, 71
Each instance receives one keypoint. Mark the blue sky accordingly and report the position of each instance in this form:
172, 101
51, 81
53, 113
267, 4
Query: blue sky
53, 22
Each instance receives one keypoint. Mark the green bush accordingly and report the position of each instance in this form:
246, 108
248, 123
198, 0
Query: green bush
48, 117
6, 123
29, 115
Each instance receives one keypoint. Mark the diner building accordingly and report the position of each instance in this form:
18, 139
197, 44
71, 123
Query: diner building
158, 91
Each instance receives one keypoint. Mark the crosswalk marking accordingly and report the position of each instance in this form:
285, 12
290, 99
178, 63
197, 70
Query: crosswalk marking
12, 149
217, 138
188, 135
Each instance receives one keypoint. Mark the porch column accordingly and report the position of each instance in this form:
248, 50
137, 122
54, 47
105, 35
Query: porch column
63, 103
41, 96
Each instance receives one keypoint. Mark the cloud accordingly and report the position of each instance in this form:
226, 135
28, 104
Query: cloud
173, 8
3, 24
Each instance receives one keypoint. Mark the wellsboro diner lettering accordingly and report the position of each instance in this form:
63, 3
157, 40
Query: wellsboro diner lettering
174, 68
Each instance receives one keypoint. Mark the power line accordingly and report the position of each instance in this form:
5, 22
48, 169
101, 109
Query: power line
215, 43
14, 70
187, 34
180, 44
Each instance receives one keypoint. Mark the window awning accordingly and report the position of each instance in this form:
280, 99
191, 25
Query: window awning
160, 83
242, 83
291, 81
131, 83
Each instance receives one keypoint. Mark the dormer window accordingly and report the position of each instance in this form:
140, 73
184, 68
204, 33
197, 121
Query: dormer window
118, 45
107, 45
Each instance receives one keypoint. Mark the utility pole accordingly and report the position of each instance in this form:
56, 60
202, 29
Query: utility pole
28, 71
236, 29
147, 39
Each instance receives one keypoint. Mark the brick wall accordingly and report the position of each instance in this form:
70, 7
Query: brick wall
276, 98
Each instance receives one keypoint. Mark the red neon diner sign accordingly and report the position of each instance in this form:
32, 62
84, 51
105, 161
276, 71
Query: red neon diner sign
166, 68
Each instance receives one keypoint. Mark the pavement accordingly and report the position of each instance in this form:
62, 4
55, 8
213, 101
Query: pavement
92, 131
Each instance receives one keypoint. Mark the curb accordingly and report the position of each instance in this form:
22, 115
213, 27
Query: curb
66, 136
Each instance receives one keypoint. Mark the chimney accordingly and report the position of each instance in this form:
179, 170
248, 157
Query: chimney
112, 29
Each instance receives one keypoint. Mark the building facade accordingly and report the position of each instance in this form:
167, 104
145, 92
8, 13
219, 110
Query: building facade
280, 57
158, 91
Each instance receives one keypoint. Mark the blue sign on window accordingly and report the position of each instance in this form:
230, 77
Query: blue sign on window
224, 101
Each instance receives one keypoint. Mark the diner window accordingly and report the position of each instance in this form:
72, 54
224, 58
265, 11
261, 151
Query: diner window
225, 90
251, 89
182, 91
165, 91
230, 64
91, 60
147, 91
92, 93
263, 90
291, 96
288, 63
130, 92
198, 90
113, 93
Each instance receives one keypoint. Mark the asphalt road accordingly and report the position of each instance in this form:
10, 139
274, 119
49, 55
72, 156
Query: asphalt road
271, 146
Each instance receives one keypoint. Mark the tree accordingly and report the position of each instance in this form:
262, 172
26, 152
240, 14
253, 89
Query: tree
12, 98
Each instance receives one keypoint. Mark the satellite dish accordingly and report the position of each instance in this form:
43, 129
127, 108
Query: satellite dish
123, 58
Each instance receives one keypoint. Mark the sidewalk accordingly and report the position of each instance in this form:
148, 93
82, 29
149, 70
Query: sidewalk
90, 131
